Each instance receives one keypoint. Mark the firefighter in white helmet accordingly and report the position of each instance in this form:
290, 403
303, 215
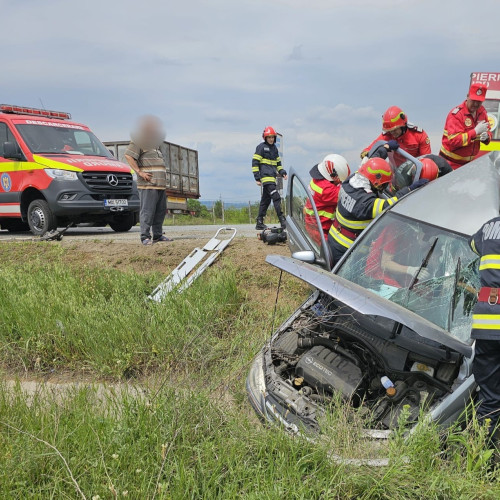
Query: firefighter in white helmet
327, 176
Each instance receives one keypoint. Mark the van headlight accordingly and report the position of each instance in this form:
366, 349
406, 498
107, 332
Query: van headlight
134, 176
61, 175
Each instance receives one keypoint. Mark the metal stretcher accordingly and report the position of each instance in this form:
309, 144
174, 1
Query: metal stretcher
200, 258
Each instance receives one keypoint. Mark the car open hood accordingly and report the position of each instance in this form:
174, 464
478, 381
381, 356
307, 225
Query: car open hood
366, 302
79, 163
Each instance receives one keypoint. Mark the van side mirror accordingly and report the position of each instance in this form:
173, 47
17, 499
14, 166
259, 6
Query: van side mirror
11, 151
305, 256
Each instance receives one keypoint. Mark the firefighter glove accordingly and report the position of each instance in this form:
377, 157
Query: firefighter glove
422, 275
484, 137
418, 184
393, 145
481, 127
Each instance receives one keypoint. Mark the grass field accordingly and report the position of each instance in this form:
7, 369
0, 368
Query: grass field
169, 418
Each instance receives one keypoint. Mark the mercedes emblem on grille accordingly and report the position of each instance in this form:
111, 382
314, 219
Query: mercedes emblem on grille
112, 180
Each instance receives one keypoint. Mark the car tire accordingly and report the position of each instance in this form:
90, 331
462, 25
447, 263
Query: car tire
15, 226
123, 223
41, 219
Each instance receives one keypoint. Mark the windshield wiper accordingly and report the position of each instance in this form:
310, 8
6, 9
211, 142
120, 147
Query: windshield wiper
454, 296
425, 262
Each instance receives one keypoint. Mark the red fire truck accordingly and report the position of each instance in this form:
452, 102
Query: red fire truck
54, 172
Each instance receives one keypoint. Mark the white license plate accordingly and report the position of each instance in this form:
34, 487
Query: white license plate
116, 203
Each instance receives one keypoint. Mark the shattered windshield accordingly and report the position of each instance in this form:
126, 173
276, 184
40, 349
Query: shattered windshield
425, 269
61, 139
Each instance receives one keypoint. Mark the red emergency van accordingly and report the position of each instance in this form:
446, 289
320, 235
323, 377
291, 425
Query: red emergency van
54, 172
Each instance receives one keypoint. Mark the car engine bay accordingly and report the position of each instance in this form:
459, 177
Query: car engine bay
328, 352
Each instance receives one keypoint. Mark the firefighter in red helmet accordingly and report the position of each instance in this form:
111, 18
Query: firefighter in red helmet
266, 166
360, 202
395, 126
466, 128
324, 188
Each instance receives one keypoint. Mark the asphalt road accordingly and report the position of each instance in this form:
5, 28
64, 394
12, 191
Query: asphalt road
106, 233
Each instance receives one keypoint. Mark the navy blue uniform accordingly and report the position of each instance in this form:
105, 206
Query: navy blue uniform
356, 208
266, 166
486, 320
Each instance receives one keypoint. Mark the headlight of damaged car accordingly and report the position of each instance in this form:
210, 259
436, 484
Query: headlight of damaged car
61, 175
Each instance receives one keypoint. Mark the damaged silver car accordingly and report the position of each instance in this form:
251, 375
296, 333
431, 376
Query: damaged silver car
379, 338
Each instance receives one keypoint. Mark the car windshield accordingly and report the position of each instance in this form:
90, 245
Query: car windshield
428, 270
61, 139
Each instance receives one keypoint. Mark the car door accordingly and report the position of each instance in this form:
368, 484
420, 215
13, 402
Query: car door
305, 234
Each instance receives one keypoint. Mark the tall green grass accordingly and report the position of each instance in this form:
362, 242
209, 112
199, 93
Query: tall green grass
188, 444
54, 316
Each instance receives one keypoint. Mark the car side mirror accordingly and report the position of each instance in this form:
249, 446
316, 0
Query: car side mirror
11, 151
305, 256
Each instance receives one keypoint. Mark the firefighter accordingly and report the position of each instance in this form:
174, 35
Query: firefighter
359, 203
466, 128
486, 321
395, 126
324, 188
266, 166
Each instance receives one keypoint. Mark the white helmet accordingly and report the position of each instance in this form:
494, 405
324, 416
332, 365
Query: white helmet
334, 165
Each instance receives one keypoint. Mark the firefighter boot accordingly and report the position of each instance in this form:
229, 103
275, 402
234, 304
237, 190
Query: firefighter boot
283, 222
260, 224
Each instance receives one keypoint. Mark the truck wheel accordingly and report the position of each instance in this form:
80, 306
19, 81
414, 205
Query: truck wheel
41, 218
122, 224
15, 226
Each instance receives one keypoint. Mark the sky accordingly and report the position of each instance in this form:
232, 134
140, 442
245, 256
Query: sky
217, 72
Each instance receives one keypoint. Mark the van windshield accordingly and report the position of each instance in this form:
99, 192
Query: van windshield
55, 139
428, 270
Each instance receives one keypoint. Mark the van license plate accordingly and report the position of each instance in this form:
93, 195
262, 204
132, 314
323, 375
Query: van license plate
116, 203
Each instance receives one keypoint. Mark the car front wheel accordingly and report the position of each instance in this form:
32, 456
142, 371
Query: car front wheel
41, 218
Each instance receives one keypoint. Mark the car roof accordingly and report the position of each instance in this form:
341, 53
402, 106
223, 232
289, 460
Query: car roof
460, 201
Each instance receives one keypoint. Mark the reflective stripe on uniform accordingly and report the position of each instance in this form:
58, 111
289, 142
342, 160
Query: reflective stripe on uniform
454, 156
268, 179
265, 161
321, 213
486, 321
340, 238
473, 246
452, 136
257, 157
491, 261
378, 207
356, 225
315, 187
255, 169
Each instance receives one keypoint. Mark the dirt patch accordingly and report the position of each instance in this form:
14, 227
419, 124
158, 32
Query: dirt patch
245, 253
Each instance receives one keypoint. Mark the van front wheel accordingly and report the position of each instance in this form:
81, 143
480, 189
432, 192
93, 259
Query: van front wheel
41, 218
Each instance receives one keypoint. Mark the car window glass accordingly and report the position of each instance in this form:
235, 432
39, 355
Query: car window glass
298, 206
61, 140
5, 136
427, 270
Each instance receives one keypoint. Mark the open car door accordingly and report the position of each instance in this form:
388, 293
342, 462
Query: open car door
305, 234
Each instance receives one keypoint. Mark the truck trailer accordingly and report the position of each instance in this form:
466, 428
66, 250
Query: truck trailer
183, 180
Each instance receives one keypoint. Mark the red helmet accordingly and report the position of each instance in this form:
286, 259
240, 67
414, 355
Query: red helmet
430, 170
377, 171
268, 131
393, 118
